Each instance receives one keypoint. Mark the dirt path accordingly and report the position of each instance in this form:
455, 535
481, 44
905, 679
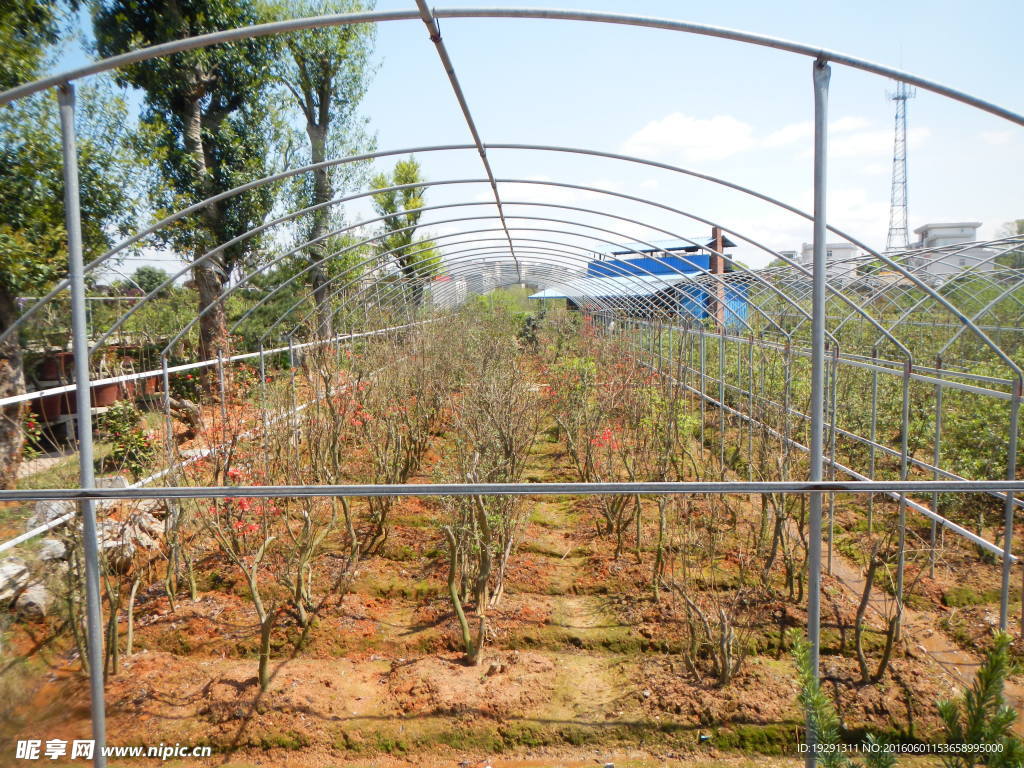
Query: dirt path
43, 463
920, 631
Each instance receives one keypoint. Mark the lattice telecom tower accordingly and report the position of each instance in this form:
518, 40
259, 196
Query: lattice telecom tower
899, 237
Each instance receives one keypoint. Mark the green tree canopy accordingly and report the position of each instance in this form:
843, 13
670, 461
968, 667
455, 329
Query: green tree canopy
417, 258
325, 73
208, 123
33, 241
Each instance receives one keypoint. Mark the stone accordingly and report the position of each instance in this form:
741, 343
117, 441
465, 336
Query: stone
144, 521
141, 539
34, 602
14, 577
52, 549
45, 511
110, 482
116, 544
153, 507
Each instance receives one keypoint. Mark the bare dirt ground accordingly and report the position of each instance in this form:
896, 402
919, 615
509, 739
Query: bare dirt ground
582, 668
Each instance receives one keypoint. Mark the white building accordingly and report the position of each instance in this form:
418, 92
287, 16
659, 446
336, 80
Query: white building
840, 260
953, 254
447, 293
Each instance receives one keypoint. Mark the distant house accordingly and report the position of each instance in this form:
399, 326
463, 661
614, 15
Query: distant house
840, 260
952, 257
673, 277
446, 292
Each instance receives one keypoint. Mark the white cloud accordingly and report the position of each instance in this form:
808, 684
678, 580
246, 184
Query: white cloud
997, 138
679, 136
542, 192
802, 132
789, 134
874, 143
852, 209
687, 138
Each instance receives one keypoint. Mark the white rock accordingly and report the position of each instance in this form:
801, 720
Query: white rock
52, 549
34, 602
142, 540
116, 543
153, 507
14, 576
145, 522
46, 511
114, 481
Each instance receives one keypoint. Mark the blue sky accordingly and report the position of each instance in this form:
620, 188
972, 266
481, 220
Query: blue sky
722, 108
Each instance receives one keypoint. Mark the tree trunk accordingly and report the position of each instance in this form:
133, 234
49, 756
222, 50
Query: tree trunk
213, 329
209, 278
322, 192
12, 382
266, 630
471, 651
129, 644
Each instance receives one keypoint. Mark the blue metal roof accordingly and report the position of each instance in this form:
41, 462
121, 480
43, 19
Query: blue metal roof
610, 287
651, 265
676, 244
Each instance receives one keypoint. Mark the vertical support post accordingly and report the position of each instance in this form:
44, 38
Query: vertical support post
721, 399
223, 390
168, 421
87, 478
832, 451
703, 385
936, 459
901, 555
750, 407
873, 437
263, 409
1011, 474
292, 420
821, 75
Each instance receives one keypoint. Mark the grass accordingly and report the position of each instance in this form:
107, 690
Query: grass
394, 586
63, 474
552, 512
962, 596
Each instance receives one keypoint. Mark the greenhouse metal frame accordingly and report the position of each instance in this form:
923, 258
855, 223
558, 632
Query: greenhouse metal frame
884, 327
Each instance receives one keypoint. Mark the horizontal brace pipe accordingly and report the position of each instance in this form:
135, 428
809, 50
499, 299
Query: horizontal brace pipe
517, 489
65, 388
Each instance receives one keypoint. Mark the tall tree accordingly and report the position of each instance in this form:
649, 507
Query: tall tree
148, 278
416, 257
326, 71
33, 241
210, 124
28, 30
